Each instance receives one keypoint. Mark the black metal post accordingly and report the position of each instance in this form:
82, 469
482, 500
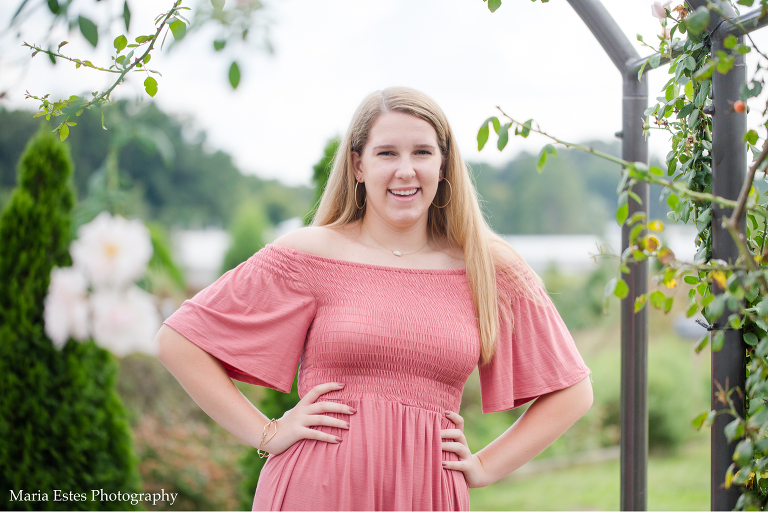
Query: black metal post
729, 167
634, 327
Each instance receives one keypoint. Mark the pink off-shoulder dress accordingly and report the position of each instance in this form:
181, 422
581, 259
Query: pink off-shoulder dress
403, 340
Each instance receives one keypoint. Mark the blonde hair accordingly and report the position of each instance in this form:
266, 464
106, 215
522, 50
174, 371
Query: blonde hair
486, 255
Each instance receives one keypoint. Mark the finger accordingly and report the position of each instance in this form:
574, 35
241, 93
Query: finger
318, 435
321, 419
320, 407
453, 433
456, 465
455, 418
314, 393
459, 449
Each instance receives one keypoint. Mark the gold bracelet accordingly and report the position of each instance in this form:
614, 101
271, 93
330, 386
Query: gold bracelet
263, 435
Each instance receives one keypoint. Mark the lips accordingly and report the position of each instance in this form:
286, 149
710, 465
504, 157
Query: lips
404, 192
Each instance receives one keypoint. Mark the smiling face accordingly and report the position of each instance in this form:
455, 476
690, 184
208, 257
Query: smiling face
401, 167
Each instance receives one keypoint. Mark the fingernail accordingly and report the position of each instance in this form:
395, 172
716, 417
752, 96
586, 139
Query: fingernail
352, 410
347, 424
338, 439
340, 384
447, 413
443, 464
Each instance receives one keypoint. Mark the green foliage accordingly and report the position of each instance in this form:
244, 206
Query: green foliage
247, 234
320, 172
165, 173
62, 423
522, 201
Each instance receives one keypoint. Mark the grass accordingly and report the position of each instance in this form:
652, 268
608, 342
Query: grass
679, 482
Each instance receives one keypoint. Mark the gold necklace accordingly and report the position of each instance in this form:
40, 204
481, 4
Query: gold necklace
396, 253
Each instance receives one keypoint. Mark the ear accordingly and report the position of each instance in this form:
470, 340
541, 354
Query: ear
357, 165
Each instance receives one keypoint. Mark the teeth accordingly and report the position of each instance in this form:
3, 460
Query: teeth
404, 192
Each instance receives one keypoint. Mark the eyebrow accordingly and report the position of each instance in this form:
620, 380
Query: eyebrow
417, 146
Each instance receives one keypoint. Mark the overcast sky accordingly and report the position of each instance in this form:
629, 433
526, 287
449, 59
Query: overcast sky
534, 60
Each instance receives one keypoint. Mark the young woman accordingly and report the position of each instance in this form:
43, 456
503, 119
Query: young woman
388, 301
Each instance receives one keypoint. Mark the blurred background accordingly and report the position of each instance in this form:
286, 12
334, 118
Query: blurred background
217, 172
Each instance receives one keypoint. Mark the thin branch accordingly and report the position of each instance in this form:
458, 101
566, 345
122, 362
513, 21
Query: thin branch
680, 189
87, 64
744, 194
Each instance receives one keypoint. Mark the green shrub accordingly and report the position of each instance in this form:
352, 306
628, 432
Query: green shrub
62, 423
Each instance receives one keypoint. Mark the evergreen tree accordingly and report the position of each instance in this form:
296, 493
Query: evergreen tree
62, 424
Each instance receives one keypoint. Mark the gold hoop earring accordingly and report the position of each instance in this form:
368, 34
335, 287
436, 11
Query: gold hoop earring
450, 188
364, 200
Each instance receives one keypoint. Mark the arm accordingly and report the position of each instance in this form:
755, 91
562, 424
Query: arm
546, 419
204, 378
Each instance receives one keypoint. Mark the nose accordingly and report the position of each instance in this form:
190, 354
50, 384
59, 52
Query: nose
405, 170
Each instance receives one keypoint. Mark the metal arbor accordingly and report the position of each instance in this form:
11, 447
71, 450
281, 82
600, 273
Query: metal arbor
729, 167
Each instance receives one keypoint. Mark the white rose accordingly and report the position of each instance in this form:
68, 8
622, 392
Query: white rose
658, 10
111, 250
66, 306
125, 321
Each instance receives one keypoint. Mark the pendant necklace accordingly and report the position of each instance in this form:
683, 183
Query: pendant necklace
396, 253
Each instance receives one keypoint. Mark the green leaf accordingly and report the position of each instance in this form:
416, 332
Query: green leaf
493, 5
668, 304
750, 339
658, 299
690, 63
63, 132
89, 30
549, 149
127, 16
703, 418
654, 60
748, 3
503, 136
694, 280
234, 75
525, 129
703, 93
53, 5
672, 201
640, 302
730, 41
750, 90
622, 289
692, 310
219, 44
751, 137
150, 85
179, 29
143, 39
621, 214
718, 340
743, 453
482, 135
697, 21
689, 90
701, 343
120, 42
147, 58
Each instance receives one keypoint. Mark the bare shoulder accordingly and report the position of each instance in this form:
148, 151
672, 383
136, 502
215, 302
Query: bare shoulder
317, 240
452, 256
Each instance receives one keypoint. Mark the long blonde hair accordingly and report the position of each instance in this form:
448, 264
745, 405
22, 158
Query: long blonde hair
486, 255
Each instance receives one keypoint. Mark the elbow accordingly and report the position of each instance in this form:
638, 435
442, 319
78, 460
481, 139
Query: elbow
167, 342
587, 396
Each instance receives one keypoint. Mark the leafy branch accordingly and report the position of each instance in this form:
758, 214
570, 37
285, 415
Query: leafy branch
123, 65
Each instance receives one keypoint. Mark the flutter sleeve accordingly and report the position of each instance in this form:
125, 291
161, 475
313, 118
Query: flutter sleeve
537, 357
254, 319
